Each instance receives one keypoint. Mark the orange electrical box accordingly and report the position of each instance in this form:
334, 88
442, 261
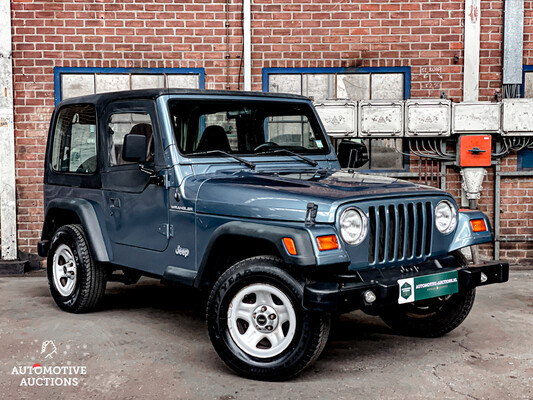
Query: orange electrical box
475, 150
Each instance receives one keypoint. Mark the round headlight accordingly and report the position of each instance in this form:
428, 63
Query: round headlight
354, 225
445, 217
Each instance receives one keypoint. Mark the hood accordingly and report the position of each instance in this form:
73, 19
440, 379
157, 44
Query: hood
284, 196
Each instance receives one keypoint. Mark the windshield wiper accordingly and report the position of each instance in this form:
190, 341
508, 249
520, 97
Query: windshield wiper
292, 153
224, 153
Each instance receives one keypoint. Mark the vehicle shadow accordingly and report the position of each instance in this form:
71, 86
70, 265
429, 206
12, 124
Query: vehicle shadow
149, 293
177, 299
186, 306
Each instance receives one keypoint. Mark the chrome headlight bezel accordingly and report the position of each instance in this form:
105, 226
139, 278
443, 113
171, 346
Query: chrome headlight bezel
353, 238
450, 213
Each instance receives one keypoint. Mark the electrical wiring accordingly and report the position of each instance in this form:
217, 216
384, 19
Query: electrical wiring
421, 154
513, 144
432, 153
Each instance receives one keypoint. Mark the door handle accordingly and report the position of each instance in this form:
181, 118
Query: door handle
115, 203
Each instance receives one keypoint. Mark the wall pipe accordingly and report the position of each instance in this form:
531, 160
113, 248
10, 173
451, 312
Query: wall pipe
497, 204
471, 50
247, 43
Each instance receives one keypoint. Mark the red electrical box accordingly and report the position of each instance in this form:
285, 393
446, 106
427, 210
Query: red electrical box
475, 150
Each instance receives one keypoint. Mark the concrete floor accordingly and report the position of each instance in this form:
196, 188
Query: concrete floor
150, 341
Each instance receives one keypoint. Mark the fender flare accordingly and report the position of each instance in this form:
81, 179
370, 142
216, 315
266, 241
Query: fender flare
272, 233
464, 236
85, 210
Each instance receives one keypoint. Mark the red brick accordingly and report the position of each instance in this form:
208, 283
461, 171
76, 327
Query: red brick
311, 33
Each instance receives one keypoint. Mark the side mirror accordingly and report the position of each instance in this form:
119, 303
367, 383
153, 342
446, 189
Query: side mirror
352, 154
134, 148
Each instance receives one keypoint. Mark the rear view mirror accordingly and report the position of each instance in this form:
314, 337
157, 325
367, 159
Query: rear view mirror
134, 149
352, 154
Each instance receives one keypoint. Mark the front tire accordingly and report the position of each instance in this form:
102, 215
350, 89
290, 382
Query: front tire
77, 282
430, 318
433, 317
257, 324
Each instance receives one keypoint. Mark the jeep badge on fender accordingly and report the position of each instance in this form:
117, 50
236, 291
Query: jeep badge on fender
241, 194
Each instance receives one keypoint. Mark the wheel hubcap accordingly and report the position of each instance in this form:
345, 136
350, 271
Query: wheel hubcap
261, 320
64, 270
265, 318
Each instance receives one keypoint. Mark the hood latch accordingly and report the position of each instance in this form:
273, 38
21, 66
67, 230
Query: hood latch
310, 215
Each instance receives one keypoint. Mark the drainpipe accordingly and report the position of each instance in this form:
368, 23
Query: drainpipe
471, 87
247, 43
471, 50
8, 209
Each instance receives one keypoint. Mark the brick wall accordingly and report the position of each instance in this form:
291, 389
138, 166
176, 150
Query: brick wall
425, 35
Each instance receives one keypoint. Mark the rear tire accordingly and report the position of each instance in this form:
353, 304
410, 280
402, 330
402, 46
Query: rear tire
77, 282
257, 324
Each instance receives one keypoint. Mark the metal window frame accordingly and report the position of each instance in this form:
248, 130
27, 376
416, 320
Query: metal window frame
59, 71
406, 71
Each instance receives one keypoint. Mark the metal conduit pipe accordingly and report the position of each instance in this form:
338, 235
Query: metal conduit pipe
247, 43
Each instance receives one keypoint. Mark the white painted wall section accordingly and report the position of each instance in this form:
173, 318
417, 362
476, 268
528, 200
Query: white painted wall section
8, 206
471, 50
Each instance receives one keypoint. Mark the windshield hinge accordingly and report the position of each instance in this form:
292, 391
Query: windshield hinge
310, 216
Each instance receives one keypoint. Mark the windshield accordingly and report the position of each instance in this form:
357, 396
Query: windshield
245, 127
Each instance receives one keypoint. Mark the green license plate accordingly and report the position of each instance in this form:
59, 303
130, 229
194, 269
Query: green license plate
427, 287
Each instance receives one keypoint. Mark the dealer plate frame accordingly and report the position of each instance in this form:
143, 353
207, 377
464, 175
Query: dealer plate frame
427, 286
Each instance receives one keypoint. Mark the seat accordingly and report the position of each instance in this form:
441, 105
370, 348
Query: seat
214, 138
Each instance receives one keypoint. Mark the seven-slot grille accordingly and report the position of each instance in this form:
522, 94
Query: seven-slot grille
400, 231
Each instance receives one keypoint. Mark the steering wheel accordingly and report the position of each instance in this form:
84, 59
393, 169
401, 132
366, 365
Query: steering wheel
265, 145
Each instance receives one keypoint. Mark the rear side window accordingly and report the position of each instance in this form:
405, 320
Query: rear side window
74, 145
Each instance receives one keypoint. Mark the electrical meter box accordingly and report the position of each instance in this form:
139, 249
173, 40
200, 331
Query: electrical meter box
477, 117
475, 150
427, 117
380, 118
338, 117
517, 117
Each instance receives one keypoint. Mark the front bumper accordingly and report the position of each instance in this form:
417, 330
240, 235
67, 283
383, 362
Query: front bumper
347, 293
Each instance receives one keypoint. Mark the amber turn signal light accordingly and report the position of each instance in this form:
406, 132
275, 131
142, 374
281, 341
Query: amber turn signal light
328, 242
290, 246
478, 225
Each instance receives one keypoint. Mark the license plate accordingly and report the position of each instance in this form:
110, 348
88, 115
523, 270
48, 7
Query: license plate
427, 287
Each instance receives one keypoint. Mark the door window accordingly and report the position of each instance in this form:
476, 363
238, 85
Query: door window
122, 124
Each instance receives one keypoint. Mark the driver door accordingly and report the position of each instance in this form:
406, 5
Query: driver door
136, 208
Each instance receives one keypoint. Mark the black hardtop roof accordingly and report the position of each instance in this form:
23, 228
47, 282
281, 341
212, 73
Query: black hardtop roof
102, 99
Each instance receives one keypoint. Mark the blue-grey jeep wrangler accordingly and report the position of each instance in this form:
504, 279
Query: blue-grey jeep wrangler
242, 195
